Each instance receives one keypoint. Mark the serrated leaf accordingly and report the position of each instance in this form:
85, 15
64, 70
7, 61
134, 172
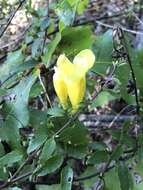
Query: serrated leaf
66, 178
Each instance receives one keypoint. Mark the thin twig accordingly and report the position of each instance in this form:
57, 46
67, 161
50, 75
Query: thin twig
118, 115
11, 18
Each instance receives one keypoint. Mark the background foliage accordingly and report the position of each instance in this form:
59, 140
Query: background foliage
43, 146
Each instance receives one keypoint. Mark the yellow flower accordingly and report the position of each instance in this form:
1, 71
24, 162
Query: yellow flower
69, 78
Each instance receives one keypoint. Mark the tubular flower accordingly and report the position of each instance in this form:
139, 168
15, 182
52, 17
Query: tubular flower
69, 78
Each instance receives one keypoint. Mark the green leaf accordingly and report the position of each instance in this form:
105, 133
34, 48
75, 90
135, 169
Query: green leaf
103, 98
66, 178
15, 112
117, 153
18, 107
139, 186
80, 4
71, 135
138, 168
76, 151
47, 150
89, 183
103, 50
111, 180
37, 141
124, 68
45, 23
10, 158
14, 59
2, 151
46, 58
122, 172
75, 39
36, 90
98, 146
50, 165
3, 173
98, 157
65, 12
37, 47
56, 112
38, 119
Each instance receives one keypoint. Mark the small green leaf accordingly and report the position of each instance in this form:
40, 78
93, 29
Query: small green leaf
50, 165
46, 58
47, 150
10, 158
14, 59
56, 112
117, 152
98, 146
37, 47
77, 151
65, 12
98, 157
66, 178
103, 98
71, 135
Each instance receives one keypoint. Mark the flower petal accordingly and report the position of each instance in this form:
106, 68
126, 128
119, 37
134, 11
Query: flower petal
84, 60
64, 64
76, 91
60, 88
